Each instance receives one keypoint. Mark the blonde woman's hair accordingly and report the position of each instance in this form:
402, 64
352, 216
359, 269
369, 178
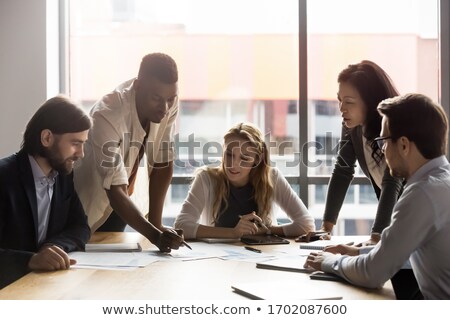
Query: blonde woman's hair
260, 176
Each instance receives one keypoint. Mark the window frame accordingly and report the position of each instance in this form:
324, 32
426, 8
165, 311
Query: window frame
303, 180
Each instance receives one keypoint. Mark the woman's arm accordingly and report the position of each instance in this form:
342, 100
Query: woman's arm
247, 225
344, 170
289, 202
194, 204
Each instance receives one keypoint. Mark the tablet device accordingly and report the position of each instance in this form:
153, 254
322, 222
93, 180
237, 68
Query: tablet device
219, 240
263, 239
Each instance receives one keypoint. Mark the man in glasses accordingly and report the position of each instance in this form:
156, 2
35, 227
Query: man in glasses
414, 140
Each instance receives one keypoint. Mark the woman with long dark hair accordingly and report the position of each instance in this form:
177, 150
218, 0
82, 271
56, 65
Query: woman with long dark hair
361, 87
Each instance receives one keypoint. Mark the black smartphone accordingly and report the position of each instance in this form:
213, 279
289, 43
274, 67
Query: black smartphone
314, 237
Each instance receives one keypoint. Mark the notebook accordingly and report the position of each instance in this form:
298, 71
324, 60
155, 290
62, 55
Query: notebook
317, 245
292, 264
263, 239
280, 290
113, 247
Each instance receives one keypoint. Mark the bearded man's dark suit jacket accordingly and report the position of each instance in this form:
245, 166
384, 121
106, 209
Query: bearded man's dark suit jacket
67, 226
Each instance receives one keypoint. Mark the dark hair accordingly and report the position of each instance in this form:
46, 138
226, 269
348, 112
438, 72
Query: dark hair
418, 118
160, 66
373, 85
59, 115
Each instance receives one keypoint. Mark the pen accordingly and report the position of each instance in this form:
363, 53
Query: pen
253, 249
185, 243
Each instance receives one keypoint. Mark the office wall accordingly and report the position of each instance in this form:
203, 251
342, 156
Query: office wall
23, 68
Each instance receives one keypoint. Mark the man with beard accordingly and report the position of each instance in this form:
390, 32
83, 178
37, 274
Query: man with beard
41, 217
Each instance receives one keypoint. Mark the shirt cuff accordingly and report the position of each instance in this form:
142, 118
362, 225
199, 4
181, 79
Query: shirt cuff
366, 249
329, 262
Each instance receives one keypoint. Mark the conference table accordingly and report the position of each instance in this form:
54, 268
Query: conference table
199, 279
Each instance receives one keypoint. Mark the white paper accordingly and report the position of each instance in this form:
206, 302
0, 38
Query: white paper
113, 259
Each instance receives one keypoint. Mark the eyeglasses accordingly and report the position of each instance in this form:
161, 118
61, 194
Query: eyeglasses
380, 141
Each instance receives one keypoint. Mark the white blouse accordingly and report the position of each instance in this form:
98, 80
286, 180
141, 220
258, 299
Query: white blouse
197, 208
376, 170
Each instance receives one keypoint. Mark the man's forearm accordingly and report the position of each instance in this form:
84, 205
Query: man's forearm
127, 210
159, 182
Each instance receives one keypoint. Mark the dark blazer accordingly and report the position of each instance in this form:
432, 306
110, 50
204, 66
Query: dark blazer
351, 149
67, 225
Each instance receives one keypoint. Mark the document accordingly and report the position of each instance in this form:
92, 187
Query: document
112, 259
224, 251
200, 250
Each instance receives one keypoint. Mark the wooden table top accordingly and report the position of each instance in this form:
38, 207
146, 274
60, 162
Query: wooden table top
205, 279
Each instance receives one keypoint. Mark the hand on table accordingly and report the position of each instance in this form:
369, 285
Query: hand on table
374, 239
342, 249
50, 258
315, 260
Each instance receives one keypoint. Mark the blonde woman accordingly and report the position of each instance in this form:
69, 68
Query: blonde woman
237, 198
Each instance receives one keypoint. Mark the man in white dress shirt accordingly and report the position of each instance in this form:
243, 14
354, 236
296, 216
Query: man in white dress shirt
414, 140
137, 117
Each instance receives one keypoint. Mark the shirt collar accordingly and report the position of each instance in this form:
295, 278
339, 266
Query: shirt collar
423, 170
38, 174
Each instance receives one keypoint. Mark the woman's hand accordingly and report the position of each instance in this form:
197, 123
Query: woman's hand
247, 225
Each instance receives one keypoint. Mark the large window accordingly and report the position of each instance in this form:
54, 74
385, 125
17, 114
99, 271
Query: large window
400, 36
239, 61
